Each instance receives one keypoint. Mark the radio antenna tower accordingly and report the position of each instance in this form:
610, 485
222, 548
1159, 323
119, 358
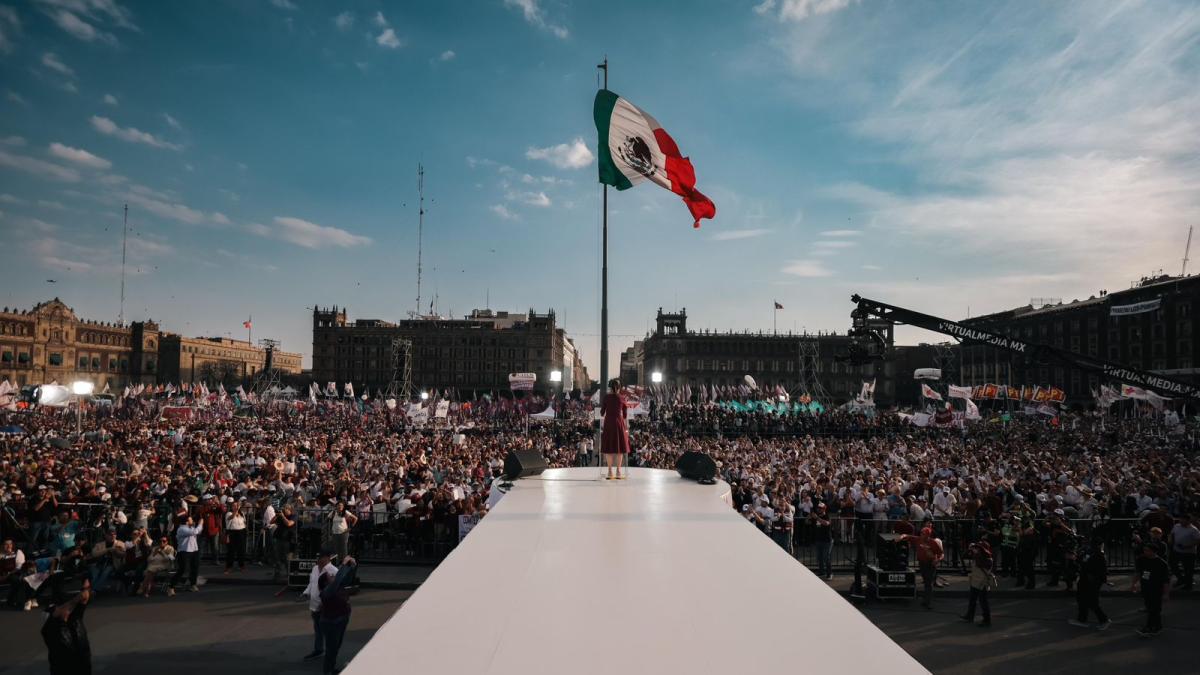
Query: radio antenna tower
420, 227
125, 239
1186, 250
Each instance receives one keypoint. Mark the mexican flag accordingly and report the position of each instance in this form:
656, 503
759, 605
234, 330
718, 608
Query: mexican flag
634, 148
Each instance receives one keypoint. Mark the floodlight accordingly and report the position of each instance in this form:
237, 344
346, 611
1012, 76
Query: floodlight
656, 377
424, 396
556, 376
82, 388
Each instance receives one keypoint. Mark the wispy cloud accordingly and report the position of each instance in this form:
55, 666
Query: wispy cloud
502, 211
285, 4
799, 10
110, 128
344, 21
38, 167
841, 233
311, 235
81, 29
51, 61
447, 55
172, 122
538, 199
573, 155
109, 99
10, 25
387, 38
13, 141
807, 268
78, 156
733, 235
535, 16
161, 205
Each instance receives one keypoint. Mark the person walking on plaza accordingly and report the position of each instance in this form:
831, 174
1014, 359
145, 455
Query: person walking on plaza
1093, 572
614, 439
929, 553
982, 579
1152, 578
187, 555
335, 611
323, 566
1184, 538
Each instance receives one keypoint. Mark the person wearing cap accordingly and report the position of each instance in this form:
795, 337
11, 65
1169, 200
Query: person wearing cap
1151, 577
323, 566
66, 639
981, 580
929, 553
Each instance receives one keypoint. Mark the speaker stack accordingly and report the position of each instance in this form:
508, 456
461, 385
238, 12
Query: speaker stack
522, 463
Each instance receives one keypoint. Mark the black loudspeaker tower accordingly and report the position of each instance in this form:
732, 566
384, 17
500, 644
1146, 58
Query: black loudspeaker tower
522, 463
891, 554
697, 466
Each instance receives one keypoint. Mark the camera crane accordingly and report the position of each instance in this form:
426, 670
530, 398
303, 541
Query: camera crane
872, 323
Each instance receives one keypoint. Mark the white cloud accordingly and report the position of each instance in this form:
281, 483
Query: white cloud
388, 39
502, 211
16, 98
258, 229
733, 235
344, 21
81, 29
13, 141
130, 134
841, 233
219, 218
447, 55
38, 167
111, 100
379, 20
97, 11
51, 61
834, 243
78, 156
311, 235
799, 10
872, 268
538, 199
10, 23
807, 268
573, 155
161, 207
9, 199
285, 4
536, 17
174, 123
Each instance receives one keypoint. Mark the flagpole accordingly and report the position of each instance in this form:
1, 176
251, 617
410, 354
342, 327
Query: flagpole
775, 318
604, 272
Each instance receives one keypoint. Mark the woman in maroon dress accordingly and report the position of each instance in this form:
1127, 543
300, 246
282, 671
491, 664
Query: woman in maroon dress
614, 439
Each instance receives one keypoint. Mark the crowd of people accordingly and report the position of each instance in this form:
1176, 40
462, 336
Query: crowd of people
138, 500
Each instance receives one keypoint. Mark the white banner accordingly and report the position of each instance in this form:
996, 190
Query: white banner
928, 392
960, 392
443, 409
927, 374
466, 524
522, 381
1135, 308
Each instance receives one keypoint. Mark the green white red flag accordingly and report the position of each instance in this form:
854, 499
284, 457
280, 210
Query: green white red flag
634, 148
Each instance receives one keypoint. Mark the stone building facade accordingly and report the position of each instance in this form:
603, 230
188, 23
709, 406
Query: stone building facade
218, 359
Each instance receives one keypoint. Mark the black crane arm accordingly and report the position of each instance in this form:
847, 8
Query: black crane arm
864, 326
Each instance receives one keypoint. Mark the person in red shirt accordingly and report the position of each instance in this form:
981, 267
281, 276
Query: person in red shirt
929, 554
614, 437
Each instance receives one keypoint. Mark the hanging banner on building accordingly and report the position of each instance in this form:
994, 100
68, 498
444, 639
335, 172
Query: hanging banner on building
927, 374
1135, 308
521, 381
960, 392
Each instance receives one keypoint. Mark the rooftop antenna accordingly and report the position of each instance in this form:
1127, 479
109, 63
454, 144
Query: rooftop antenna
420, 227
125, 239
1186, 250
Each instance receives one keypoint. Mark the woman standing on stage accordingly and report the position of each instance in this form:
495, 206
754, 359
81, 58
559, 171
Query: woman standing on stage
614, 439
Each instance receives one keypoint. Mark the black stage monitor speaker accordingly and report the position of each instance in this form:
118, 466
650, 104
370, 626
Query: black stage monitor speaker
891, 554
697, 466
522, 463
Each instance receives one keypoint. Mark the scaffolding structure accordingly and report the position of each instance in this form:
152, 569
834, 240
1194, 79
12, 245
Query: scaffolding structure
266, 382
945, 359
810, 370
400, 386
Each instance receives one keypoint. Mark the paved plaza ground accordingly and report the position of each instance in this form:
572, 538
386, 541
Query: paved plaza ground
242, 629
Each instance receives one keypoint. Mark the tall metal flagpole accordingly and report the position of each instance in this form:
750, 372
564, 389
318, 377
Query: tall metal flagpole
604, 275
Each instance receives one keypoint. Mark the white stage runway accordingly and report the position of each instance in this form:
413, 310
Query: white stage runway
653, 574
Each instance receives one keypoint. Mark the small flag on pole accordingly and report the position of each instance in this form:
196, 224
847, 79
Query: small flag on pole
777, 305
246, 324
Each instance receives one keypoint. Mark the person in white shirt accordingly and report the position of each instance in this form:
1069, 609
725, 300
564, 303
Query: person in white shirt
235, 536
323, 566
188, 554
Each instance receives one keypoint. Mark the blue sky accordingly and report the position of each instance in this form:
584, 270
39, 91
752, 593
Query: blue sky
950, 157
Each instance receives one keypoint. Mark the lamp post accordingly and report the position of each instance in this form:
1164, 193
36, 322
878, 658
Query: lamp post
80, 388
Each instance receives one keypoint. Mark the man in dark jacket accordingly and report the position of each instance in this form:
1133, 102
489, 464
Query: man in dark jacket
1152, 576
1093, 572
65, 636
335, 611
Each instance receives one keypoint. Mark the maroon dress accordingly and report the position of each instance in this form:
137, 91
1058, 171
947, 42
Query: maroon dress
614, 439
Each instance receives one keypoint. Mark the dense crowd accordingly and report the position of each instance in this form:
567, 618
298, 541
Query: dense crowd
137, 500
